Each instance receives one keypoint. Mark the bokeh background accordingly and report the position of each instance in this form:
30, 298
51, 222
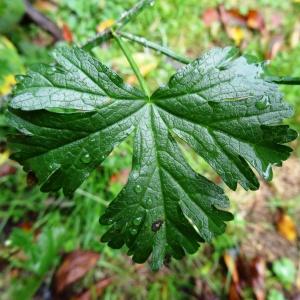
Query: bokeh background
50, 245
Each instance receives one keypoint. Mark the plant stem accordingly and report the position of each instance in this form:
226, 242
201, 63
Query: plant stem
133, 64
283, 80
154, 46
122, 21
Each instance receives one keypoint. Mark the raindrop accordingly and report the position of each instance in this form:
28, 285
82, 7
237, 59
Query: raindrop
148, 202
133, 231
51, 70
86, 158
262, 104
137, 221
152, 3
102, 157
138, 188
268, 173
19, 77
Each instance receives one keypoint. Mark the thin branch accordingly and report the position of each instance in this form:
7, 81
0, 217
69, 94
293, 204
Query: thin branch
121, 22
283, 80
148, 44
133, 64
43, 22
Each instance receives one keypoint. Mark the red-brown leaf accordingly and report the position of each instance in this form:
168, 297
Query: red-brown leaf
74, 267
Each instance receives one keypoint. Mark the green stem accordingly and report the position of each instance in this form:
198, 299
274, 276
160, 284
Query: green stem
154, 46
133, 64
121, 22
283, 80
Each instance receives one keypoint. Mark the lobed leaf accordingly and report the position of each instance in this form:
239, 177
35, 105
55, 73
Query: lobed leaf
219, 104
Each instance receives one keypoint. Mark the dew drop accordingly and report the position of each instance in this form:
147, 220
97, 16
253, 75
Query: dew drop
110, 221
138, 188
19, 77
85, 158
152, 3
51, 70
133, 231
262, 104
148, 202
137, 221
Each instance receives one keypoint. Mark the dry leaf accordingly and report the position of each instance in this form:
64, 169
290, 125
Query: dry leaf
95, 290
258, 270
67, 33
73, 268
237, 34
105, 24
231, 266
286, 227
255, 20
120, 177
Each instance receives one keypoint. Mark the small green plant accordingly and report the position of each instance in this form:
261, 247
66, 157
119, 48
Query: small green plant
70, 115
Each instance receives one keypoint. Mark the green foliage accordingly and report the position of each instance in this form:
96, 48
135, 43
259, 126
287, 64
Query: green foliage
10, 14
285, 271
40, 257
275, 295
219, 104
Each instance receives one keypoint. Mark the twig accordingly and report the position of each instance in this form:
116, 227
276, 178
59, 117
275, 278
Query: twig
148, 44
121, 22
133, 64
283, 80
42, 21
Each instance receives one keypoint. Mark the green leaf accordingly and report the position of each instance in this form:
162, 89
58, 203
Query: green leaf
219, 104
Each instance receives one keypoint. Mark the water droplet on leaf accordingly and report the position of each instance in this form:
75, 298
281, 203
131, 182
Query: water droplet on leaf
138, 188
262, 104
148, 202
86, 158
133, 231
137, 221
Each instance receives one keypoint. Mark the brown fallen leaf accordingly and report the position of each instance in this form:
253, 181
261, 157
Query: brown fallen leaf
255, 20
74, 267
120, 177
210, 16
105, 25
6, 170
95, 290
286, 226
67, 33
231, 266
257, 271
275, 46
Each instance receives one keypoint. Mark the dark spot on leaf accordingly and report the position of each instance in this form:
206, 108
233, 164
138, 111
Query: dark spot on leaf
156, 225
31, 179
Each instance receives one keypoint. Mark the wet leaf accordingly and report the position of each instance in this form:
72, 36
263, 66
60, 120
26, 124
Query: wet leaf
74, 267
95, 290
219, 104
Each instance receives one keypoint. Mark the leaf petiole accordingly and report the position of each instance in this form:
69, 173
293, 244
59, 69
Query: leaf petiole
148, 44
133, 64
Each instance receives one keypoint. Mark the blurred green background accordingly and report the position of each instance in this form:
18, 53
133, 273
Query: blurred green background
50, 246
